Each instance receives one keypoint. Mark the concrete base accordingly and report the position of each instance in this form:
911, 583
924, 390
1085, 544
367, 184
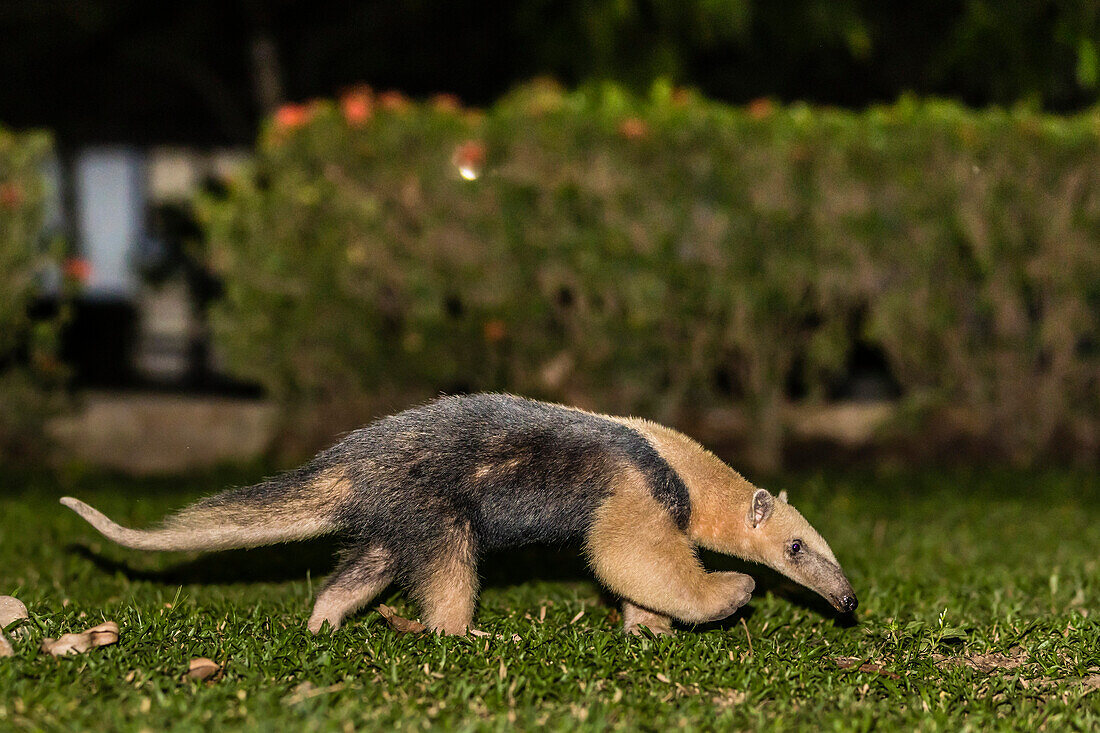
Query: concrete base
149, 433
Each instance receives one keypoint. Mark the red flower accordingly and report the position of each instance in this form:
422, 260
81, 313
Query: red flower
77, 269
357, 106
291, 116
633, 128
495, 330
760, 108
11, 195
469, 158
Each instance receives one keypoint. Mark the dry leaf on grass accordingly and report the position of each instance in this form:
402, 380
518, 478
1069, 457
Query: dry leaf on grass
727, 699
5, 646
986, 663
11, 610
400, 623
307, 690
850, 662
487, 635
1091, 683
103, 635
201, 668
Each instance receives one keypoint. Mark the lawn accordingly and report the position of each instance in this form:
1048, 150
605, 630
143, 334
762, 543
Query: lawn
978, 595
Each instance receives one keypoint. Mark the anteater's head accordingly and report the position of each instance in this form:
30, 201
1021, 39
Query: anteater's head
783, 540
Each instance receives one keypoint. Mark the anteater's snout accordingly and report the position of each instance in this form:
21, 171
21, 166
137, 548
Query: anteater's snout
847, 604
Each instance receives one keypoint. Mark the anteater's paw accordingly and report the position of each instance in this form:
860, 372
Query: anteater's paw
735, 589
660, 629
317, 623
636, 617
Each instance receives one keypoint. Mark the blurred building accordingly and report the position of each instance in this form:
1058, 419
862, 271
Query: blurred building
125, 212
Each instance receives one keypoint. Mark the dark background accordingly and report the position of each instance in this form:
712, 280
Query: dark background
204, 71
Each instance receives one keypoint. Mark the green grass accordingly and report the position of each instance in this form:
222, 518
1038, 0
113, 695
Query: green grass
946, 565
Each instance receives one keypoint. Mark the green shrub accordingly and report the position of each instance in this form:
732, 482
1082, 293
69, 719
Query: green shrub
669, 255
30, 374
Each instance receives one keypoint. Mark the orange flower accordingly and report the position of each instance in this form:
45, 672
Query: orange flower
760, 108
394, 101
469, 158
77, 269
495, 330
291, 116
11, 195
357, 106
633, 128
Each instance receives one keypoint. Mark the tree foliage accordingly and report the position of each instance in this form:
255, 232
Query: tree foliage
205, 70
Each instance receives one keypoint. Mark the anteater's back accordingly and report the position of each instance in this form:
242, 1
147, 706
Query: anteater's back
514, 470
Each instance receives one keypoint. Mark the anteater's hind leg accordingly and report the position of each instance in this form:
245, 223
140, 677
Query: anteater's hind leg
635, 617
446, 586
359, 578
636, 548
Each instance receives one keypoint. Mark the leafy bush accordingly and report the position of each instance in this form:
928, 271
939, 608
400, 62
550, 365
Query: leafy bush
29, 371
667, 255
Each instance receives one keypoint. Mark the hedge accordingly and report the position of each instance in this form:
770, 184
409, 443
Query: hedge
30, 373
667, 255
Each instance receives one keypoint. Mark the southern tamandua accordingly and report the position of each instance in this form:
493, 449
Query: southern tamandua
418, 495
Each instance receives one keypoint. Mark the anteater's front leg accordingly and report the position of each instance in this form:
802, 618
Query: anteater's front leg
638, 551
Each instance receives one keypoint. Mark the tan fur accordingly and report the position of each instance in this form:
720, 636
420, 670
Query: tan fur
720, 496
721, 502
219, 528
636, 549
485, 470
356, 587
449, 598
635, 617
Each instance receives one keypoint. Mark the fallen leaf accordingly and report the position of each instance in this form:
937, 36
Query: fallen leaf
1091, 683
5, 646
986, 663
201, 668
11, 610
399, 623
662, 678
577, 617
103, 635
306, 690
850, 662
729, 698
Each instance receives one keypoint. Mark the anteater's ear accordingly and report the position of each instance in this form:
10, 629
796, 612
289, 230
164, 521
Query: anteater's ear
783, 496
761, 509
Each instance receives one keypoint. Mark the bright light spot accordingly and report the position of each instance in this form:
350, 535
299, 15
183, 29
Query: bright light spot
468, 172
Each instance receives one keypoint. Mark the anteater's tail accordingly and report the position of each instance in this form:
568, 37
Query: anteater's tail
296, 506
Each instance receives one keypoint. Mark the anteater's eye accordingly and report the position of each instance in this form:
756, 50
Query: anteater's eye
795, 547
